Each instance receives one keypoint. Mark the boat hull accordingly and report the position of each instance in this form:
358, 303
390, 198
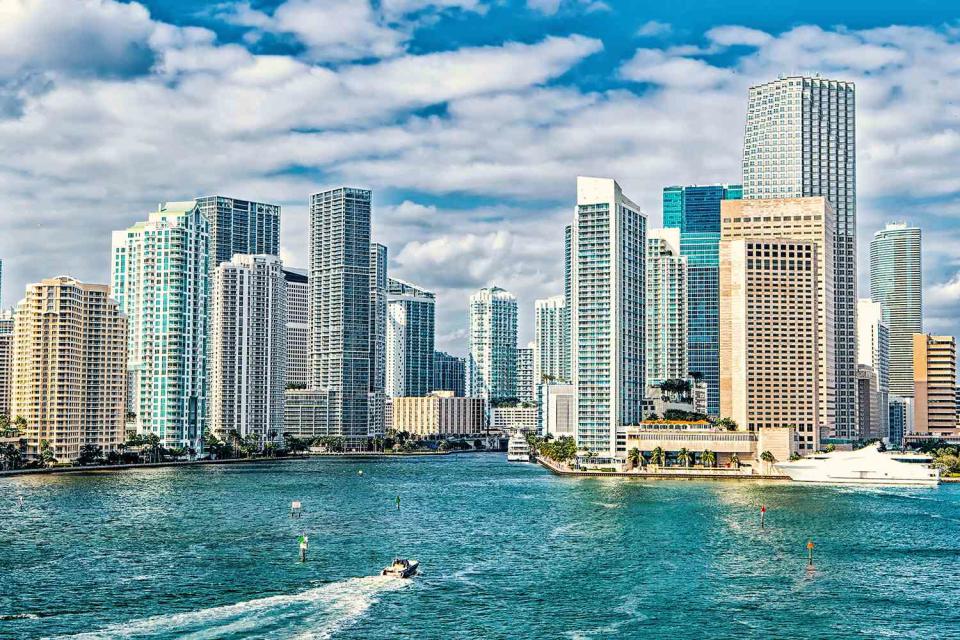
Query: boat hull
868, 466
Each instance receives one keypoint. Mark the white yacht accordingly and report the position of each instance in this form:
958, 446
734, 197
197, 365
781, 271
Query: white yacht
863, 466
518, 449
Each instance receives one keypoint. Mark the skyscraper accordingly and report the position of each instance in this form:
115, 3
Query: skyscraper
896, 282
410, 335
873, 352
800, 141
298, 328
492, 359
695, 210
6, 361
525, 384
376, 402
161, 279
449, 373
340, 313
240, 226
769, 335
607, 245
551, 355
807, 219
666, 308
248, 348
935, 386
69, 367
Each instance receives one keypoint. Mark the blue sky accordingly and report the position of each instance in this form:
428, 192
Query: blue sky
470, 120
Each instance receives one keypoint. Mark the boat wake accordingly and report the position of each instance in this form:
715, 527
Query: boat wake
314, 614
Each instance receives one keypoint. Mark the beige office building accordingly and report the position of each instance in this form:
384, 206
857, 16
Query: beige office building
439, 414
805, 219
934, 385
769, 356
69, 367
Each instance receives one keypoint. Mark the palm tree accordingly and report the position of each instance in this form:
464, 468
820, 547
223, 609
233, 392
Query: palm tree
735, 460
684, 457
726, 423
634, 457
766, 456
658, 456
46, 453
708, 458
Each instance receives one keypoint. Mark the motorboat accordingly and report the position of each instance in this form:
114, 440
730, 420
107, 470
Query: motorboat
401, 568
518, 449
869, 465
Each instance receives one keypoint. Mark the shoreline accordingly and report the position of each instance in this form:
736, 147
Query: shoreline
684, 475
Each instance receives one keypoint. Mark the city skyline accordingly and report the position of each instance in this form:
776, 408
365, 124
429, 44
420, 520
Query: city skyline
435, 212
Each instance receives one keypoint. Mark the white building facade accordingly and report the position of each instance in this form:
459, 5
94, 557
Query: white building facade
551, 357
666, 307
411, 316
492, 358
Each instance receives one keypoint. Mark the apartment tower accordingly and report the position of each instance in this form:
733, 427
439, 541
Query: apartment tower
411, 318
492, 359
666, 308
935, 384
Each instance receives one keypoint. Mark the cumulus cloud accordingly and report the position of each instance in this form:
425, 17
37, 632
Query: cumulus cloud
653, 28
732, 35
654, 65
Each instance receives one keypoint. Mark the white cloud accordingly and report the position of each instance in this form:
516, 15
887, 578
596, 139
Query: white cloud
653, 65
732, 35
653, 28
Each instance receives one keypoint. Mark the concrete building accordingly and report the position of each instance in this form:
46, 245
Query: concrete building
69, 367
248, 348
873, 351
666, 307
769, 336
901, 419
557, 410
800, 141
896, 282
551, 352
935, 386
161, 279
449, 373
376, 399
492, 358
695, 211
411, 318
507, 419
340, 309
872, 414
306, 414
6, 361
440, 414
298, 328
526, 387
607, 247
803, 219
240, 226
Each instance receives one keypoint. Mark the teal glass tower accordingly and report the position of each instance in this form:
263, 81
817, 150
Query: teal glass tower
695, 211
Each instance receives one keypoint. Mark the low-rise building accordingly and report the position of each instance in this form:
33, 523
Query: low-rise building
306, 413
439, 414
507, 419
557, 410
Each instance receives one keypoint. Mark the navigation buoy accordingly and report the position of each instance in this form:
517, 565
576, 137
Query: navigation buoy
763, 513
296, 509
20, 502
304, 541
398, 503
809, 554
360, 472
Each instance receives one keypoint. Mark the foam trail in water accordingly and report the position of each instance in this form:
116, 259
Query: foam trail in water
315, 614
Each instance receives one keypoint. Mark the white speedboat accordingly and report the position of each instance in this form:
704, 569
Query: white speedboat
401, 568
518, 449
863, 466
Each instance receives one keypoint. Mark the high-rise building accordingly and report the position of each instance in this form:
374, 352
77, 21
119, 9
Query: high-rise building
376, 399
769, 335
666, 308
935, 385
240, 226
695, 210
69, 367
410, 334
449, 373
873, 352
608, 245
901, 419
807, 219
248, 348
551, 353
526, 387
161, 279
298, 328
6, 361
872, 413
800, 141
557, 410
492, 359
896, 282
340, 314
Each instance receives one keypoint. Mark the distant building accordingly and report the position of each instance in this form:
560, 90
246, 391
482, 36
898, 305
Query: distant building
551, 356
935, 385
240, 226
901, 419
411, 318
873, 351
298, 328
449, 373
376, 399
666, 308
69, 367
872, 417
248, 348
306, 414
492, 358
507, 419
6, 361
557, 409
161, 279
526, 388
440, 414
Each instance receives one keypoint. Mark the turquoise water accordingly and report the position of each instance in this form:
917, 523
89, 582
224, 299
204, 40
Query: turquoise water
507, 550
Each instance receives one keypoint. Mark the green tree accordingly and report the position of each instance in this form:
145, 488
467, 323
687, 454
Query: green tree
10, 457
47, 457
90, 454
684, 457
634, 457
735, 460
830, 447
658, 457
768, 457
708, 458
726, 423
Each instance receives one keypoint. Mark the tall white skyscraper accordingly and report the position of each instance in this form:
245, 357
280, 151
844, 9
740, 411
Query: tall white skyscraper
607, 247
248, 347
666, 312
801, 141
410, 336
896, 282
526, 388
492, 358
240, 226
551, 357
298, 328
873, 352
376, 402
161, 279
340, 313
